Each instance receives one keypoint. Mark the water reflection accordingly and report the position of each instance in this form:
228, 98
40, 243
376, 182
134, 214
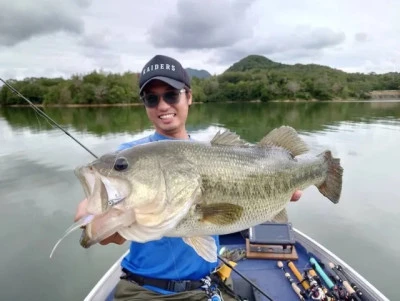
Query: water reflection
39, 191
250, 120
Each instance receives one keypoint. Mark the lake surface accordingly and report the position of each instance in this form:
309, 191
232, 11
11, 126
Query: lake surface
39, 191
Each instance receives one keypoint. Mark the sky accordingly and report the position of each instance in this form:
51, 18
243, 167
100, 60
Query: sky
60, 38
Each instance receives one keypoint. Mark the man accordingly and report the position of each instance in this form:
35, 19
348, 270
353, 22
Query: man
166, 93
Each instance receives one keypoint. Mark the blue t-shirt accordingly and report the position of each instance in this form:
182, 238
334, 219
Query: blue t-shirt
168, 257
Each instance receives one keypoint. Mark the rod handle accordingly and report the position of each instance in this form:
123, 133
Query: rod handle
348, 287
351, 291
297, 290
320, 271
296, 272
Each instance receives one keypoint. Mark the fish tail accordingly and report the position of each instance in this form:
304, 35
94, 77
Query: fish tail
332, 186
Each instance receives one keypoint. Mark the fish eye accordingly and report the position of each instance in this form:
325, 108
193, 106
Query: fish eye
121, 164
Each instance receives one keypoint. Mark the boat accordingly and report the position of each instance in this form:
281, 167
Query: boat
265, 274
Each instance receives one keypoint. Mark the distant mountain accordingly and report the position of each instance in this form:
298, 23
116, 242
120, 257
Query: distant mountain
198, 73
254, 62
254, 77
259, 62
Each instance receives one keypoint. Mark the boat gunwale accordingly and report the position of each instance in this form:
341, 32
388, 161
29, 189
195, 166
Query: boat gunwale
104, 279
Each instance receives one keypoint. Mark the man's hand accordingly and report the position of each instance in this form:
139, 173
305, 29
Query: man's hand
115, 239
296, 196
82, 211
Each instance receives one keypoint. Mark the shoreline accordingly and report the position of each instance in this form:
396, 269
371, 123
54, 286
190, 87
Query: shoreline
198, 102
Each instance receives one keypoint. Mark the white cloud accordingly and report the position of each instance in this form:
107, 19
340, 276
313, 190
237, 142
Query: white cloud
195, 25
23, 20
43, 39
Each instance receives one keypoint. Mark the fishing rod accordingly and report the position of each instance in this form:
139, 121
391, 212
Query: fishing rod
296, 289
319, 291
298, 275
244, 277
321, 272
356, 295
338, 291
339, 287
311, 283
334, 288
352, 284
43, 114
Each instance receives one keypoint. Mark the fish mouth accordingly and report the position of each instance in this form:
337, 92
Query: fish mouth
104, 225
85, 240
102, 192
105, 195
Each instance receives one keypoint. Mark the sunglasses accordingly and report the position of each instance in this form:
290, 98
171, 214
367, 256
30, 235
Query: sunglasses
151, 100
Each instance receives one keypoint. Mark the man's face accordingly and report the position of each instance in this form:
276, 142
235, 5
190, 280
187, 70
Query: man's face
168, 119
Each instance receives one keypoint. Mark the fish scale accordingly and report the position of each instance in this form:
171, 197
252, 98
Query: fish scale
202, 189
260, 180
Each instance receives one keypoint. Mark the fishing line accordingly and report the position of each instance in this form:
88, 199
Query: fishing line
47, 117
245, 278
38, 120
112, 166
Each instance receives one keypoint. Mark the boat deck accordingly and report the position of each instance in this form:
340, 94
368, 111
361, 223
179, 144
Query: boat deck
264, 273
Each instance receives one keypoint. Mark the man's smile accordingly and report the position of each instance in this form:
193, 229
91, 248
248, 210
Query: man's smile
167, 116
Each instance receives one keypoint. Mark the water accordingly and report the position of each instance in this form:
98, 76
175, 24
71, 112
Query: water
39, 192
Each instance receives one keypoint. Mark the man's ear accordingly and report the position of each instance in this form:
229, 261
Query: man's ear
189, 97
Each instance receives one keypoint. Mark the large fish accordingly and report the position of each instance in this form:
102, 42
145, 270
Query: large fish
189, 189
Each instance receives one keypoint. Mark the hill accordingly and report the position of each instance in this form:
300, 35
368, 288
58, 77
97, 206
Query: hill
257, 77
198, 73
254, 62
254, 77
259, 62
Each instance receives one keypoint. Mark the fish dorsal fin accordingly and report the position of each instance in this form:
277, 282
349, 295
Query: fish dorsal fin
227, 138
286, 137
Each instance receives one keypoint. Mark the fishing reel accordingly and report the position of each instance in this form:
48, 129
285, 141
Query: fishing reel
316, 290
211, 289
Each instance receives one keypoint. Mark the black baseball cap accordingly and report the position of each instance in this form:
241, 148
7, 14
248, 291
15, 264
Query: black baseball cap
166, 69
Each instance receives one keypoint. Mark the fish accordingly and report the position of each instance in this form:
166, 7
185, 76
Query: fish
197, 189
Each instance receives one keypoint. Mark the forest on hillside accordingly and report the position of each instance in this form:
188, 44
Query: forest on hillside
252, 78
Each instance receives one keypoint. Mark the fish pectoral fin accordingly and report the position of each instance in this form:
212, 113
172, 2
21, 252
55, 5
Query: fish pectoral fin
227, 138
281, 217
220, 214
204, 246
287, 138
